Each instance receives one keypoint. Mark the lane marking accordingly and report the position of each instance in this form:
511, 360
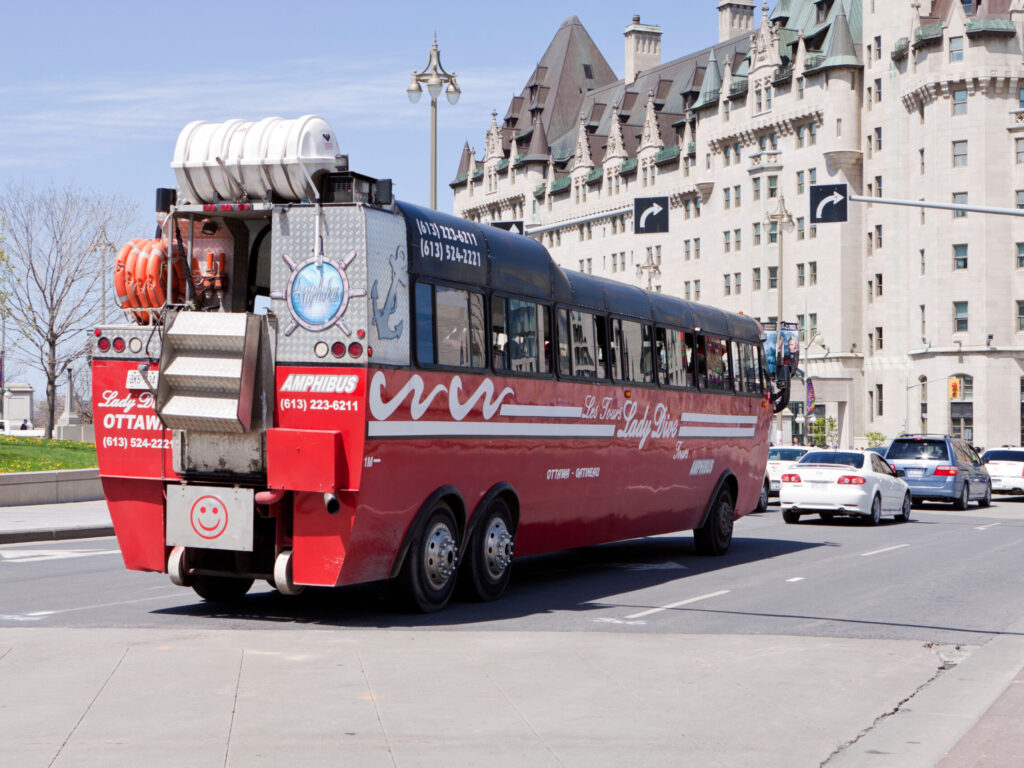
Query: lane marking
985, 527
670, 606
39, 555
37, 615
619, 621
887, 549
796, 578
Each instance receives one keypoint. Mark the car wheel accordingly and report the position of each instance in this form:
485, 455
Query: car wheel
489, 564
715, 536
904, 513
762, 501
428, 574
791, 515
962, 499
876, 511
826, 515
986, 500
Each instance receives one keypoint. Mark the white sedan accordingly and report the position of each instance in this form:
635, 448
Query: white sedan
854, 483
779, 460
1006, 468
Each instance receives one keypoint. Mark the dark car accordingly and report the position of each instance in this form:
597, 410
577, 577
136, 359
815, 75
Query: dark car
941, 468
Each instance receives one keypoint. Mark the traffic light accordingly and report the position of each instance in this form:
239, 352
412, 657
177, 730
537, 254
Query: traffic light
954, 384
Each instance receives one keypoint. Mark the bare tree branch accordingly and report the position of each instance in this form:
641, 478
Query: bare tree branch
56, 256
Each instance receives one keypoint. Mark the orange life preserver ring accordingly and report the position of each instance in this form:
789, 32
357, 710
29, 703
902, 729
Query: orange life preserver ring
120, 275
155, 284
130, 269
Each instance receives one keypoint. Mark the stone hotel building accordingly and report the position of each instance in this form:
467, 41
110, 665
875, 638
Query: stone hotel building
899, 99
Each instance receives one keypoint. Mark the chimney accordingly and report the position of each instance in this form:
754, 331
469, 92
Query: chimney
735, 17
643, 48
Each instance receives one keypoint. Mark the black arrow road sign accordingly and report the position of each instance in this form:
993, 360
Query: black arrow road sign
510, 226
650, 214
828, 203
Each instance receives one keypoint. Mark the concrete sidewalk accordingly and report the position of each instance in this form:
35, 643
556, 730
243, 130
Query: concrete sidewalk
48, 522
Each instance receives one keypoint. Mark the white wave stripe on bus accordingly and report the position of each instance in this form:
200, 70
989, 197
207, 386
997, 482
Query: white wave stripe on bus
382, 410
716, 425
545, 411
487, 429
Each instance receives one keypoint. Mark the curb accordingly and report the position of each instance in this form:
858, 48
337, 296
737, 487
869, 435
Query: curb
55, 534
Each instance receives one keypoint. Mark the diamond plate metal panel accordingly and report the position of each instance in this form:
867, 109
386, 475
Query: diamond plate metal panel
319, 301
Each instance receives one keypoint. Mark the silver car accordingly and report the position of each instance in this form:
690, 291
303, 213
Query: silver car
941, 468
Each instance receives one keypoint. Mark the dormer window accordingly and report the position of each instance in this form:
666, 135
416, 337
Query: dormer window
822, 10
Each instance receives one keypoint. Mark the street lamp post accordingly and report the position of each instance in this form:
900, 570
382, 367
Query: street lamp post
782, 219
434, 77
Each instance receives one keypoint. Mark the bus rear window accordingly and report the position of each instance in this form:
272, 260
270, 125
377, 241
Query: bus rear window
449, 327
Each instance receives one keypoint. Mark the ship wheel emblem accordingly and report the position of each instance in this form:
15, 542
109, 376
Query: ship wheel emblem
318, 293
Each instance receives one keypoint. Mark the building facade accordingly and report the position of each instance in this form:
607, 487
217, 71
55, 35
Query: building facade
899, 100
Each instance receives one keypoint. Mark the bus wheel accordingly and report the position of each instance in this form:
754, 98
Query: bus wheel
490, 553
715, 536
762, 500
221, 589
428, 574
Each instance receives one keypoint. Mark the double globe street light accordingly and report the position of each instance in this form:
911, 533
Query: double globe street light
434, 77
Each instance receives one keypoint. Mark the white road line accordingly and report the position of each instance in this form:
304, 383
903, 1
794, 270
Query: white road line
670, 606
39, 555
985, 527
887, 549
796, 578
37, 615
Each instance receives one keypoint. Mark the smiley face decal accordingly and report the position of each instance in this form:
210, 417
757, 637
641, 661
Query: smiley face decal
209, 517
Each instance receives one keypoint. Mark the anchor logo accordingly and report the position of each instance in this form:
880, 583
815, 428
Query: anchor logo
382, 317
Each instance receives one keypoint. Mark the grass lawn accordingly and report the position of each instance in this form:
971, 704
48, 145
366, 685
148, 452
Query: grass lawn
32, 454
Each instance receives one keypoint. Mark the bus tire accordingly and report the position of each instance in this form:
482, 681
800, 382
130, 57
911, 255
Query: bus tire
714, 537
428, 574
762, 500
221, 589
489, 565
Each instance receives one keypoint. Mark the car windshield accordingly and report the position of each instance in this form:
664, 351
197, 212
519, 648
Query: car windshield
1003, 455
845, 459
785, 454
928, 450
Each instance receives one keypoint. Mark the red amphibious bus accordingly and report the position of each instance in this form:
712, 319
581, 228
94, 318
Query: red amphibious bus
325, 387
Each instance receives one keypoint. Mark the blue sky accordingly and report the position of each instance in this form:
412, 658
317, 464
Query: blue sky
94, 94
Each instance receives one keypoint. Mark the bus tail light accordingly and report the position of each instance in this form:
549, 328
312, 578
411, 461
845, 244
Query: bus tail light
103, 345
791, 478
355, 349
118, 344
851, 480
945, 471
338, 349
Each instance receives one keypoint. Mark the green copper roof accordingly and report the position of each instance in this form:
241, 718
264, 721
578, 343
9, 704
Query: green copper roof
539, 191
667, 155
560, 185
594, 175
628, 166
712, 85
979, 27
840, 50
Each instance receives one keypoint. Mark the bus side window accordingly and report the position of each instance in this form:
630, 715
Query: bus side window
751, 370
523, 339
564, 343
544, 338
738, 376
601, 332
717, 361
499, 332
583, 345
634, 343
459, 326
424, 323
697, 368
617, 350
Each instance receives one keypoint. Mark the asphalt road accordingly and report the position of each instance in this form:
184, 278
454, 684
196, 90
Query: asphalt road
946, 577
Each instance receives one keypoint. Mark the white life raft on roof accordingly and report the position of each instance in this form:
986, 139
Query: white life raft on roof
238, 160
